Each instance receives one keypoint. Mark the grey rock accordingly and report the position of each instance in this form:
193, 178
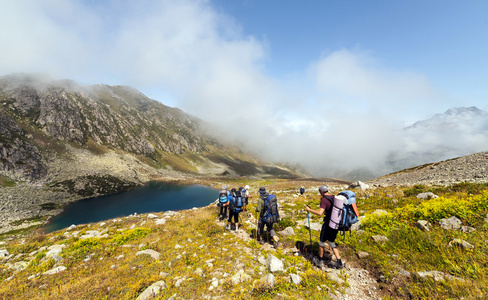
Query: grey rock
362, 254
359, 185
274, 264
467, 229
452, 223
335, 277
152, 291
296, 279
154, 254
55, 270
288, 231
428, 195
379, 238
460, 243
380, 212
314, 226
438, 276
4, 253
423, 225
268, 280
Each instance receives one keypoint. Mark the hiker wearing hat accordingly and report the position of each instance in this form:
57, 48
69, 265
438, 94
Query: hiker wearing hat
327, 234
263, 194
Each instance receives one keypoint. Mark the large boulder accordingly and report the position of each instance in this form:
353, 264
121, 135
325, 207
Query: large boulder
359, 185
428, 195
274, 264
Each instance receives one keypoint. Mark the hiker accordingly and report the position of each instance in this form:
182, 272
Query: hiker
243, 193
248, 196
268, 208
223, 200
302, 190
327, 234
235, 207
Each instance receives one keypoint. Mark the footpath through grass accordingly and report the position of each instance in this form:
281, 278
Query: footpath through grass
198, 259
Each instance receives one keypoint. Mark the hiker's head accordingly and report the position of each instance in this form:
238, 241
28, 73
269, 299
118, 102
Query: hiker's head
246, 187
262, 190
224, 187
323, 189
233, 190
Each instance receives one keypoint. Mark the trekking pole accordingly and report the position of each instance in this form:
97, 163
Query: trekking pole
309, 230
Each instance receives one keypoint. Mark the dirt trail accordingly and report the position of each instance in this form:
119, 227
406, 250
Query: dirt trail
362, 286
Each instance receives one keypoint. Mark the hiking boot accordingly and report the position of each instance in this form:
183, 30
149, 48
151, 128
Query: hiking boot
321, 263
336, 265
227, 227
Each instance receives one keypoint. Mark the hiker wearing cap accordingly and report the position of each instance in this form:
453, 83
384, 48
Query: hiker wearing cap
327, 234
261, 208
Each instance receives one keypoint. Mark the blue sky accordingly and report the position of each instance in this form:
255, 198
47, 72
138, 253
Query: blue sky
295, 67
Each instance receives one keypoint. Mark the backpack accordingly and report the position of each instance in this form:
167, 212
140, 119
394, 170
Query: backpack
270, 213
302, 190
348, 215
237, 202
223, 197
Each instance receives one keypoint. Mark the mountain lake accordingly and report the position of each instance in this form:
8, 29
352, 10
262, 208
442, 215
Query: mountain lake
152, 197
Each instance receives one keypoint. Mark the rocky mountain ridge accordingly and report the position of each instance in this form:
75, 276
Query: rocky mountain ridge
60, 142
470, 168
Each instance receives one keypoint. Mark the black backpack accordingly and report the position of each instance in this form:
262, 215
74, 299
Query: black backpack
270, 213
238, 202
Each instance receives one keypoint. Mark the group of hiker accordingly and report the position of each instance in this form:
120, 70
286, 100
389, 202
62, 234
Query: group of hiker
340, 213
236, 200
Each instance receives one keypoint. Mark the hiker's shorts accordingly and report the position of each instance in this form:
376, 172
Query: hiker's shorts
327, 234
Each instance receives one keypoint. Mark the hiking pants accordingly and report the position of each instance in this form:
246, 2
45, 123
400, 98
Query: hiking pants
269, 227
223, 210
235, 214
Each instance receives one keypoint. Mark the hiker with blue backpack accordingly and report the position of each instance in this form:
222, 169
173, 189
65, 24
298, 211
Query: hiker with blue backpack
267, 206
236, 203
223, 202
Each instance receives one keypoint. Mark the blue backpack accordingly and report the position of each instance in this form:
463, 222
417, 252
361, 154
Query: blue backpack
270, 213
223, 197
348, 215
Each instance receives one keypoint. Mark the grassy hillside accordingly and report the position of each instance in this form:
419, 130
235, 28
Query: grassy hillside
199, 259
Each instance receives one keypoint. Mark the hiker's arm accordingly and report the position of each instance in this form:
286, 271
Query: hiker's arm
317, 212
227, 203
355, 207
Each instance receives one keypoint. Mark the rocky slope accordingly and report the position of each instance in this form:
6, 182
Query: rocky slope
471, 168
60, 142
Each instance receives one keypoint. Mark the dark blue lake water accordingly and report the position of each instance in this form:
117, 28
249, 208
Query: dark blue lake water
153, 197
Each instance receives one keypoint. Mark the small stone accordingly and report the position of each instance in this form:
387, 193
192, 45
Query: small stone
380, 238
460, 243
362, 254
154, 254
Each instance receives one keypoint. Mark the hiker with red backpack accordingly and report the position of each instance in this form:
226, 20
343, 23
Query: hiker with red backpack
327, 234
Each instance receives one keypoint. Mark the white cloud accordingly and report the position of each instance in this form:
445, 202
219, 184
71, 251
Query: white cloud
345, 112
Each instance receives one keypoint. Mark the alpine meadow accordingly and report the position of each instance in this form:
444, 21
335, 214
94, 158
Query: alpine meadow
188, 149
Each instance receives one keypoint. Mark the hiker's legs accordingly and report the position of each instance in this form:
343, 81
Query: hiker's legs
334, 248
271, 231
225, 212
236, 220
260, 228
